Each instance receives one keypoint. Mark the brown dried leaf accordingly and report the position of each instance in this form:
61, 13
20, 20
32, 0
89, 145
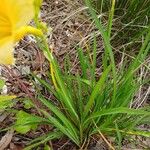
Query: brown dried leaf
3, 116
6, 139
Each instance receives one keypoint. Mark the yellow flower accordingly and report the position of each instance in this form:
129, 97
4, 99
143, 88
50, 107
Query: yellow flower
15, 15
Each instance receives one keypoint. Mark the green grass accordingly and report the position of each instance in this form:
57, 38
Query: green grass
83, 104
131, 20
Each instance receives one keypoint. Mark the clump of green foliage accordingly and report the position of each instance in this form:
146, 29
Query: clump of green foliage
84, 105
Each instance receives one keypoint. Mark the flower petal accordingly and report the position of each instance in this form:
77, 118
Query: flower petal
19, 12
6, 51
21, 32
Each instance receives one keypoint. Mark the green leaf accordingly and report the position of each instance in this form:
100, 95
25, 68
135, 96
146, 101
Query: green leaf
2, 83
110, 20
96, 90
26, 122
43, 139
119, 110
28, 104
6, 101
145, 48
54, 121
63, 91
47, 147
119, 137
83, 62
94, 61
107, 44
60, 115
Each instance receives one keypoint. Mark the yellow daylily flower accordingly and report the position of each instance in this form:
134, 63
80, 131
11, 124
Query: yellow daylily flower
15, 15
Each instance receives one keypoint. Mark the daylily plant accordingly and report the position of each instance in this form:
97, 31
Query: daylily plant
15, 15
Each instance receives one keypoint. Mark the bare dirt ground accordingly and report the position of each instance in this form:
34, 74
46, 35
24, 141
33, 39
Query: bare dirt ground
71, 26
